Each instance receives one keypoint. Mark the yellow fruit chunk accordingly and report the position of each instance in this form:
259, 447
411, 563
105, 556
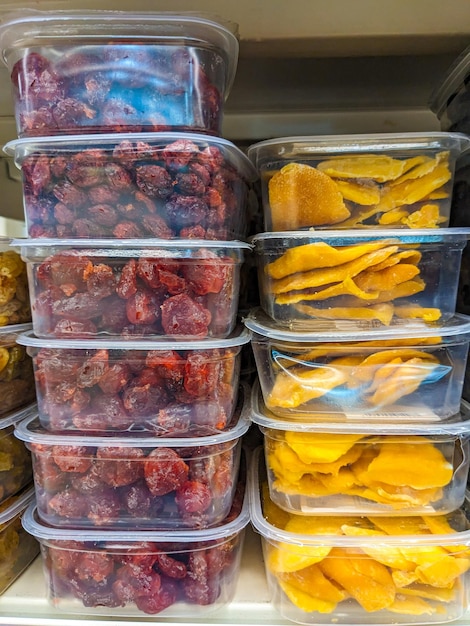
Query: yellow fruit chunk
386, 279
427, 216
365, 195
320, 447
412, 191
288, 557
430, 593
442, 572
413, 462
412, 257
301, 196
381, 168
406, 379
366, 580
362, 371
313, 582
428, 314
411, 606
298, 386
421, 167
306, 601
284, 461
272, 513
341, 483
347, 286
336, 274
403, 525
381, 312
318, 254
387, 555
334, 467
403, 290
395, 216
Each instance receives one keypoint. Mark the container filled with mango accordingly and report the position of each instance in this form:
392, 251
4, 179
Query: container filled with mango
15, 459
14, 294
365, 469
17, 388
413, 372
358, 181
361, 278
348, 569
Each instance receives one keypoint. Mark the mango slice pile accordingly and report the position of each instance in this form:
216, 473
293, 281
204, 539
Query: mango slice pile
360, 190
367, 379
401, 472
360, 281
406, 578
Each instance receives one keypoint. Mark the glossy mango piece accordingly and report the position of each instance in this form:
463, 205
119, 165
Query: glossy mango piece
366, 580
347, 286
387, 555
442, 572
334, 467
428, 592
387, 278
411, 606
288, 557
313, 582
306, 601
377, 167
320, 447
381, 312
428, 216
428, 314
382, 357
412, 191
403, 290
273, 513
366, 195
284, 461
316, 255
301, 196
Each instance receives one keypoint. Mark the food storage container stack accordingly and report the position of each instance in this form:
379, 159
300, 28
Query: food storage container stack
136, 212
361, 358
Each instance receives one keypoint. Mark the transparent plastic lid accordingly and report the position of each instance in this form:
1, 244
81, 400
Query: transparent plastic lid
15, 504
279, 241
21, 148
451, 81
36, 249
457, 327
9, 334
239, 337
304, 147
17, 416
458, 520
457, 426
23, 29
31, 431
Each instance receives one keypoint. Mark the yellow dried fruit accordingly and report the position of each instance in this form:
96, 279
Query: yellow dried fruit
304, 600
428, 314
300, 196
415, 190
411, 606
320, 447
387, 278
382, 312
366, 194
377, 167
314, 583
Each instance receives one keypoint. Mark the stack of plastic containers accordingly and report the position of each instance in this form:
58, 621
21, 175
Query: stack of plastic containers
135, 209
360, 494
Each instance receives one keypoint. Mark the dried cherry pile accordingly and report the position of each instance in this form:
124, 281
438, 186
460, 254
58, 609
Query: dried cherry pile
168, 392
168, 487
119, 87
80, 295
133, 189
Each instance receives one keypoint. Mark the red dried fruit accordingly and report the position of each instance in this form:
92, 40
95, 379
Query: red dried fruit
171, 567
143, 307
118, 178
184, 211
68, 503
70, 195
103, 214
103, 194
131, 583
207, 275
127, 285
89, 483
178, 154
183, 316
85, 168
93, 368
154, 181
157, 227
37, 173
156, 602
168, 363
70, 113
73, 328
190, 184
119, 466
63, 214
202, 371
121, 116
198, 586
72, 458
172, 420
139, 502
127, 230
144, 398
103, 507
193, 497
93, 566
81, 306
164, 471
115, 378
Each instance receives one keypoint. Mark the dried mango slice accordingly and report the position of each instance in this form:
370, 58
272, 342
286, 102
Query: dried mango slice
404, 496
320, 447
318, 254
365, 195
394, 216
428, 314
309, 485
382, 312
427, 216
386, 279
403, 579
439, 525
366, 580
348, 286
378, 167
428, 592
405, 380
403, 525
300, 196
341, 483
396, 465
319, 525
387, 555
382, 357
412, 191
304, 600
420, 167
442, 572
334, 467
329, 275
289, 557
283, 461
411, 606
273, 513
313, 582
403, 290
411, 256
298, 386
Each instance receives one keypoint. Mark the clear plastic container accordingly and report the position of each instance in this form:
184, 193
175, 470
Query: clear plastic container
141, 572
14, 296
15, 460
355, 570
16, 370
361, 278
178, 389
409, 372
118, 71
17, 547
135, 480
124, 288
165, 185
357, 181
361, 468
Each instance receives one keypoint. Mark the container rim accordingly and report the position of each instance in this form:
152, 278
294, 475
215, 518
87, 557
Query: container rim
43, 532
239, 337
30, 431
458, 426
127, 246
221, 33
272, 533
415, 235
334, 144
17, 147
329, 331
18, 415
18, 503
454, 75
13, 329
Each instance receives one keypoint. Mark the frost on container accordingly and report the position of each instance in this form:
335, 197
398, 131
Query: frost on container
357, 570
